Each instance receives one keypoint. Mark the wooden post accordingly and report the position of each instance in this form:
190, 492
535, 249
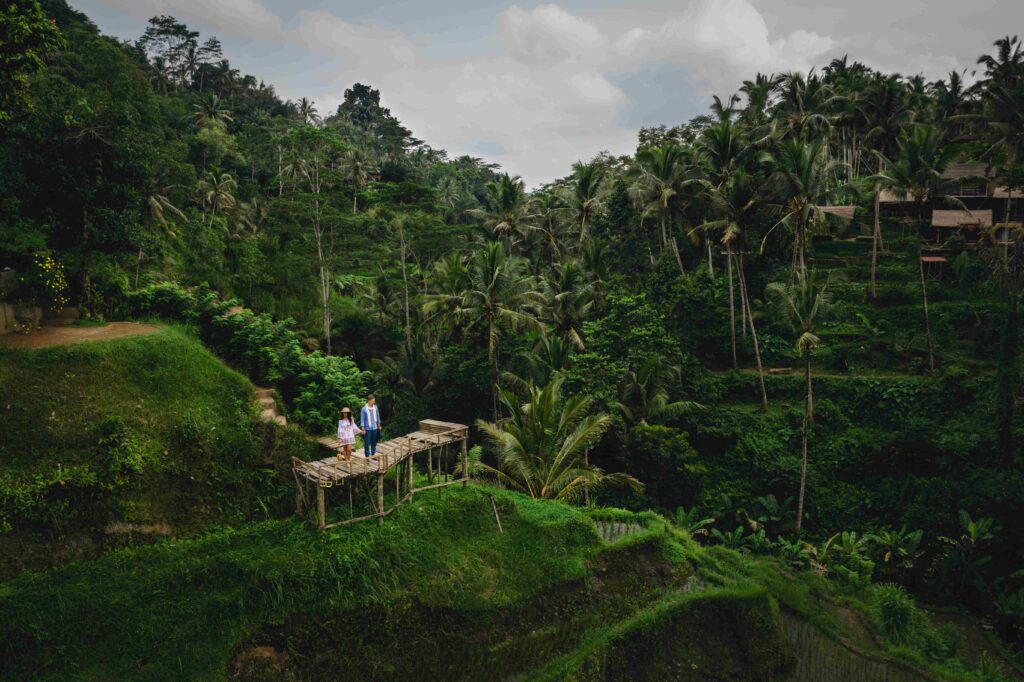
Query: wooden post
430, 465
380, 498
321, 510
351, 511
298, 499
409, 466
465, 463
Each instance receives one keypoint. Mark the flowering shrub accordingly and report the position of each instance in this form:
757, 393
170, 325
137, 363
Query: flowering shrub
45, 284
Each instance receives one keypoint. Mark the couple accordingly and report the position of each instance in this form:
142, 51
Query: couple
369, 419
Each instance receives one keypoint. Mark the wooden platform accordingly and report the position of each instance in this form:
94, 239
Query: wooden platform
431, 437
431, 434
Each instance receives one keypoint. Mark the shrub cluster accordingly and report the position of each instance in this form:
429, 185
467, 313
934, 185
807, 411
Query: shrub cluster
314, 386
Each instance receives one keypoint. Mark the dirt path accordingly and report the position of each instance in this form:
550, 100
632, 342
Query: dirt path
65, 336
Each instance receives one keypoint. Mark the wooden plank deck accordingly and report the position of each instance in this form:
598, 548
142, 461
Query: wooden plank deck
430, 435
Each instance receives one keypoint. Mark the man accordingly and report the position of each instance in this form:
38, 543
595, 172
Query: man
369, 420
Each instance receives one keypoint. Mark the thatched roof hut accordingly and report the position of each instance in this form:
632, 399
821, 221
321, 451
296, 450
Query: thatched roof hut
965, 219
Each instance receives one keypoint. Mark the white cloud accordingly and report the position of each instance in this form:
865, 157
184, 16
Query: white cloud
248, 18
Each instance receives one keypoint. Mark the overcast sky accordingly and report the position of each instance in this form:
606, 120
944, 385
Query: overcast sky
535, 87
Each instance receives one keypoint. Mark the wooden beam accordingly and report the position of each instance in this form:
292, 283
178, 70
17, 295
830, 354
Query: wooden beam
321, 508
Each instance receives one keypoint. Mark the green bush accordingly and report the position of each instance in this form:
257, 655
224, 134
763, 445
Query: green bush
314, 385
895, 610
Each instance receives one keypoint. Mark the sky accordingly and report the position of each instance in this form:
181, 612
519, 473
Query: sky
535, 87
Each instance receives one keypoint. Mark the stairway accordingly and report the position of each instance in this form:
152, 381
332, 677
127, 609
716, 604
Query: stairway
264, 397
611, 531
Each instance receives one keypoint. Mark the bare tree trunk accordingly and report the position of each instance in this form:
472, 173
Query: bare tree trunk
405, 283
927, 324
808, 418
679, 258
753, 333
280, 170
732, 305
138, 266
711, 265
875, 239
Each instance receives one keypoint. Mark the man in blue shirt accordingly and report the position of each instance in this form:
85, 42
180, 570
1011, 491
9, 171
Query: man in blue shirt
369, 419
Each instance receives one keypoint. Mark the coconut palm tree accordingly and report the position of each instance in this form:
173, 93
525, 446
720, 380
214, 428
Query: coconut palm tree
643, 395
803, 105
733, 206
499, 295
568, 301
660, 182
804, 300
156, 207
585, 201
210, 112
508, 211
540, 447
916, 170
307, 112
356, 170
804, 177
216, 193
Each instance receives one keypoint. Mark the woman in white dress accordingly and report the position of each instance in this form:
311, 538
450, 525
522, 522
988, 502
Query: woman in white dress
347, 430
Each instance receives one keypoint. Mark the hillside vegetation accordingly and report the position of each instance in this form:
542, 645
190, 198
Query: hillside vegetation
150, 431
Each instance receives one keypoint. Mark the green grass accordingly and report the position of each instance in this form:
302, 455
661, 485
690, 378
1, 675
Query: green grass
146, 430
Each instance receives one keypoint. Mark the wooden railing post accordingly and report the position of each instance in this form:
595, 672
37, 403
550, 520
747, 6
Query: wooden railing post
380, 498
465, 462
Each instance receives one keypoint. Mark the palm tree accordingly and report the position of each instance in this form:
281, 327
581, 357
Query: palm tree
550, 355
803, 175
307, 112
210, 112
216, 192
155, 207
585, 201
499, 295
508, 211
643, 396
805, 302
357, 170
759, 94
540, 447
917, 169
660, 182
886, 110
1004, 119
803, 105
734, 205
569, 299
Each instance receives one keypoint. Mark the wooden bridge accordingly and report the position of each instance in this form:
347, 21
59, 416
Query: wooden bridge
437, 439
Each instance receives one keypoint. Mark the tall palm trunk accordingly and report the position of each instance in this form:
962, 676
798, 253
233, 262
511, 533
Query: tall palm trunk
711, 265
753, 333
875, 239
405, 286
732, 305
927, 323
808, 418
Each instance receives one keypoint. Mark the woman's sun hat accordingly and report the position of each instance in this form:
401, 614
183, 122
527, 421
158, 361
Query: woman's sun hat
345, 410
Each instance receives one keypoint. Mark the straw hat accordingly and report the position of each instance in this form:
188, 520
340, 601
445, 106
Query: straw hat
345, 410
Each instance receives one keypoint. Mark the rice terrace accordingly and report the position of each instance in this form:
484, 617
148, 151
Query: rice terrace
511, 341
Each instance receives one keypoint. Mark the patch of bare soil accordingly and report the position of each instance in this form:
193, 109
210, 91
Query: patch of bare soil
65, 336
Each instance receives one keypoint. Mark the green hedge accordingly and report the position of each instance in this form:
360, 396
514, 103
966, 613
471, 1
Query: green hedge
315, 386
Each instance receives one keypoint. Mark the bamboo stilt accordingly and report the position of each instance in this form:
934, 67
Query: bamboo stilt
380, 497
321, 510
465, 463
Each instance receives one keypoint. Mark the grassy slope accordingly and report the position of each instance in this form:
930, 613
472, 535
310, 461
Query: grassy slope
148, 429
436, 591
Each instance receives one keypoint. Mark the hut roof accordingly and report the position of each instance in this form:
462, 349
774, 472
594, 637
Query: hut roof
845, 212
887, 197
933, 259
966, 170
948, 218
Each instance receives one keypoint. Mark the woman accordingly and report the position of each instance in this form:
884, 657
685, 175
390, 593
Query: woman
347, 434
